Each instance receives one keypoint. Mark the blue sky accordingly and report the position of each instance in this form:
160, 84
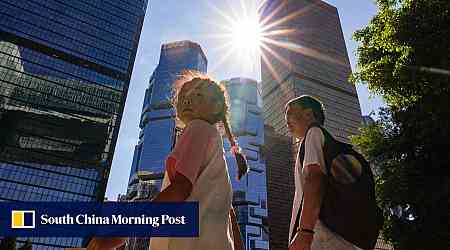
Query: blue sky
197, 20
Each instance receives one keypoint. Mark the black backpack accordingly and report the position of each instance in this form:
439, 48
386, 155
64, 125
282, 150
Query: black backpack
348, 207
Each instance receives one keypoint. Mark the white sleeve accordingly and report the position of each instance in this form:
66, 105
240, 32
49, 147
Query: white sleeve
314, 142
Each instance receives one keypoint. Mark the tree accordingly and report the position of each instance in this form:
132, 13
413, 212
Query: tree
8, 243
404, 56
26, 246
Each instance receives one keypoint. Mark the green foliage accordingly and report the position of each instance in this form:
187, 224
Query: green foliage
410, 143
8, 243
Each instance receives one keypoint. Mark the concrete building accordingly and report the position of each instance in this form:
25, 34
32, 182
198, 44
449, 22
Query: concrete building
278, 154
311, 58
314, 62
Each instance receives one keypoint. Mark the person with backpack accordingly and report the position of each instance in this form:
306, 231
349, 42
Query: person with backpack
334, 202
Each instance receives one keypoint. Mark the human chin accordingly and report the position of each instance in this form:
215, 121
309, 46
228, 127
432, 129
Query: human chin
297, 135
292, 132
184, 118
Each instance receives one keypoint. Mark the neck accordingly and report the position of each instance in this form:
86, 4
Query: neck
206, 120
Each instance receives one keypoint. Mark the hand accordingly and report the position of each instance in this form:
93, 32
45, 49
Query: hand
301, 241
242, 171
241, 162
105, 243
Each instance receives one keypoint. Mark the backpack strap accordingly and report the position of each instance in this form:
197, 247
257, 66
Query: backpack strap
327, 138
302, 157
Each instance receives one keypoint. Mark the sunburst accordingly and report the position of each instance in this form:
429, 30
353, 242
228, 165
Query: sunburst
248, 39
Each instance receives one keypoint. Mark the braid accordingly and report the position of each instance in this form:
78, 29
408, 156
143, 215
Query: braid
228, 132
240, 158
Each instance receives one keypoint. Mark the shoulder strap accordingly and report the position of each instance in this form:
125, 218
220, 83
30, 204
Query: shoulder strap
302, 157
327, 136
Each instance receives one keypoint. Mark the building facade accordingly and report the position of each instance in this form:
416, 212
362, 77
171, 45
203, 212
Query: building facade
158, 125
65, 67
278, 154
309, 59
250, 193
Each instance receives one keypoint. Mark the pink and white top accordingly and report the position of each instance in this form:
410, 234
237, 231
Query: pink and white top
198, 155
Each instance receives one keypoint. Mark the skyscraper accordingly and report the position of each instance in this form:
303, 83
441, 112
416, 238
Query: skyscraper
306, 56
158, 124
250, 193
310, 58
158, 128
278, 155
65, 67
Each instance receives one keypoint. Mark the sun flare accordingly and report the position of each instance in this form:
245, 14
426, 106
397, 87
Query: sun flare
248, 39
246, 34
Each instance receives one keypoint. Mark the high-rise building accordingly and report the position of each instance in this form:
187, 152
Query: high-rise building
65, 67
278, 154
310, 58
250, 193
159, 133
158, 125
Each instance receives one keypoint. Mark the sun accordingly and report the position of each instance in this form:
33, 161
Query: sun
239, 36
246, 34
248, 40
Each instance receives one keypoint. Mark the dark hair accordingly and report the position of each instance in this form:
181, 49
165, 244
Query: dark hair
309, 102
220, 95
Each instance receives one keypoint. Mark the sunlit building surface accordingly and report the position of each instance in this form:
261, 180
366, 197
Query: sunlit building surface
65, 67
307, 56
250, 193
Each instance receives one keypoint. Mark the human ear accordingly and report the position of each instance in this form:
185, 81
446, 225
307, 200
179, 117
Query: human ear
308, 114
217, 107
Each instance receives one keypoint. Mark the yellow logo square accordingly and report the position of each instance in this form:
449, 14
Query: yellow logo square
22, 219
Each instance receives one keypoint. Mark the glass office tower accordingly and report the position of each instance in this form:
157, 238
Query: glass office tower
158, 128
315, 62
65, 67
250, 193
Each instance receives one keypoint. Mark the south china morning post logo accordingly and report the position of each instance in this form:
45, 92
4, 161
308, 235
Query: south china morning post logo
88, 219
22, 219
